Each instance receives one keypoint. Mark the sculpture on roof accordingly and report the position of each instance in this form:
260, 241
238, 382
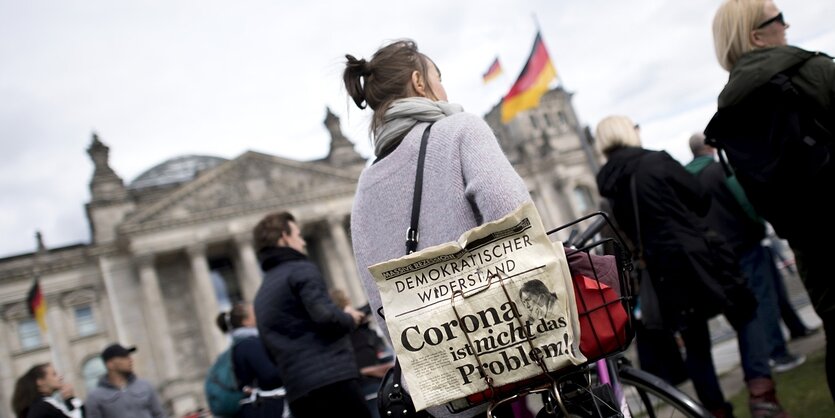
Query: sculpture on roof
100, 155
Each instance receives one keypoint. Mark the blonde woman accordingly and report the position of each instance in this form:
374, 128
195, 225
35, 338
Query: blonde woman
750, 41
660, 207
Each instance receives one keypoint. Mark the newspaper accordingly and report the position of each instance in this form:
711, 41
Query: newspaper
485, 305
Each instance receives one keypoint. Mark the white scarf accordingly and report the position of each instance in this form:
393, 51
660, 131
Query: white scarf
403, 114
75, 413
244, 332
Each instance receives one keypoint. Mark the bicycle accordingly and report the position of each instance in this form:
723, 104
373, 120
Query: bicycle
607, 385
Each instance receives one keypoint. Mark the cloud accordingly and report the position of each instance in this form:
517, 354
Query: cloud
158, 79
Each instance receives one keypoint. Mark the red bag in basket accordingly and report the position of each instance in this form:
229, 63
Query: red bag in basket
602, 317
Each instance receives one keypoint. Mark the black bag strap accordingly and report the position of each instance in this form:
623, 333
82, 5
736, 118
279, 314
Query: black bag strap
412, 234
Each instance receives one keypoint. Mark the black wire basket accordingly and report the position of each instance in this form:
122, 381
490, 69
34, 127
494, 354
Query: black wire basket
605, 296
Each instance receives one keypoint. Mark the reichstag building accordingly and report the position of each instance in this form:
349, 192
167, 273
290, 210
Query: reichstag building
171, 248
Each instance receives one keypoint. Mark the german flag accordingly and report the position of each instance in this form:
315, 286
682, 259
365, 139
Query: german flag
494, 71
37, 304
531, 84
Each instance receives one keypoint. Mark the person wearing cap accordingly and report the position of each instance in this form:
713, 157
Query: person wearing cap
119, 393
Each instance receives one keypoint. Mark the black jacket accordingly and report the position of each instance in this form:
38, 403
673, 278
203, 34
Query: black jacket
682, 254
43, 409
304, 331
741, 230
253, 365
799, 210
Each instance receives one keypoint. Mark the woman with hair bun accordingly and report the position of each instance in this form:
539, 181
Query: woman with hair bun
750, 42
255, 371
467, 180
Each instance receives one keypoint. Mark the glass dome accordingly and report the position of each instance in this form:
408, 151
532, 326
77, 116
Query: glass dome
175, 171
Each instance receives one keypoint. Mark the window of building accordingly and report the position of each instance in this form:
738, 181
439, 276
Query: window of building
534, 121
549, 120
85, 321
225, 282
92, 370
29, 334
563, 119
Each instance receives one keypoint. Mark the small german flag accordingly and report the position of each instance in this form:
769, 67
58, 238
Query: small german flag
37, 304
531, 84
494, 71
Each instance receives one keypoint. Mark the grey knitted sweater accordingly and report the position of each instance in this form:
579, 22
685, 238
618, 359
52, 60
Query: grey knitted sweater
467, 181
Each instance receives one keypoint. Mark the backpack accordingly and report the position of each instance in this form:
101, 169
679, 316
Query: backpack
221, 386
780, 146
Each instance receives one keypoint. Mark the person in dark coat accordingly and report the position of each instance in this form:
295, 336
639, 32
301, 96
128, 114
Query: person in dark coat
307, 335
750, 43
732, 215
693, 272
255, 371
32, 397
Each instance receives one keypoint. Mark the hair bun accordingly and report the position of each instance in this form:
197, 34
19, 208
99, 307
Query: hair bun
359, 66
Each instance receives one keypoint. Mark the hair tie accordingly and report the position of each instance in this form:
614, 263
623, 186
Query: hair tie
365, 69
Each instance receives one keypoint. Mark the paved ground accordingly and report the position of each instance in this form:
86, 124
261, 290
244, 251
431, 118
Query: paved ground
726, 352
726, 356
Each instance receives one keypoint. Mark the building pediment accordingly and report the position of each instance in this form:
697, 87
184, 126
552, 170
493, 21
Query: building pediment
251, 182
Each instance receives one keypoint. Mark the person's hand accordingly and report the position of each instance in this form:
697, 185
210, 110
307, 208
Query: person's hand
67, 391
377, 370
357, 315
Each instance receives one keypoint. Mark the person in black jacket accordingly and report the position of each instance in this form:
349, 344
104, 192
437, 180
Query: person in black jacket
694, 273
33, 392
307, 335
749, 38
255, 371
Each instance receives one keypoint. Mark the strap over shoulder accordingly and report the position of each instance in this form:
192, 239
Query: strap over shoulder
412, 234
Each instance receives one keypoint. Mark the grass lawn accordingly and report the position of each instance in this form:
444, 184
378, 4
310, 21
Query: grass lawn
802, 391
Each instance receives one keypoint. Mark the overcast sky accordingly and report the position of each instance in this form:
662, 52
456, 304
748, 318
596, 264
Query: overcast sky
158, 79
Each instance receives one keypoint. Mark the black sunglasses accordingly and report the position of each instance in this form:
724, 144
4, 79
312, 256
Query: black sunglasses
778, 18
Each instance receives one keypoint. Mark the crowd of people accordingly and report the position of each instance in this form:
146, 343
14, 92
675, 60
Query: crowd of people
697, 229
42, 393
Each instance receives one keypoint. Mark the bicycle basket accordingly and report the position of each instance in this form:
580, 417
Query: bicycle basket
602, 288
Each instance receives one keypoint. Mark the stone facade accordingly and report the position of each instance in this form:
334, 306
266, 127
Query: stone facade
162, 245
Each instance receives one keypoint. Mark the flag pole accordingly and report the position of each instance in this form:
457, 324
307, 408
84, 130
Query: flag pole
586, 146
539, 31
46, 330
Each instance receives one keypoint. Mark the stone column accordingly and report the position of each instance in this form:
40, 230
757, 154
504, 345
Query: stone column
156, 318
205, 300
7, 375
549, 211
113, 301
348, 268
58, 339
249, 273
